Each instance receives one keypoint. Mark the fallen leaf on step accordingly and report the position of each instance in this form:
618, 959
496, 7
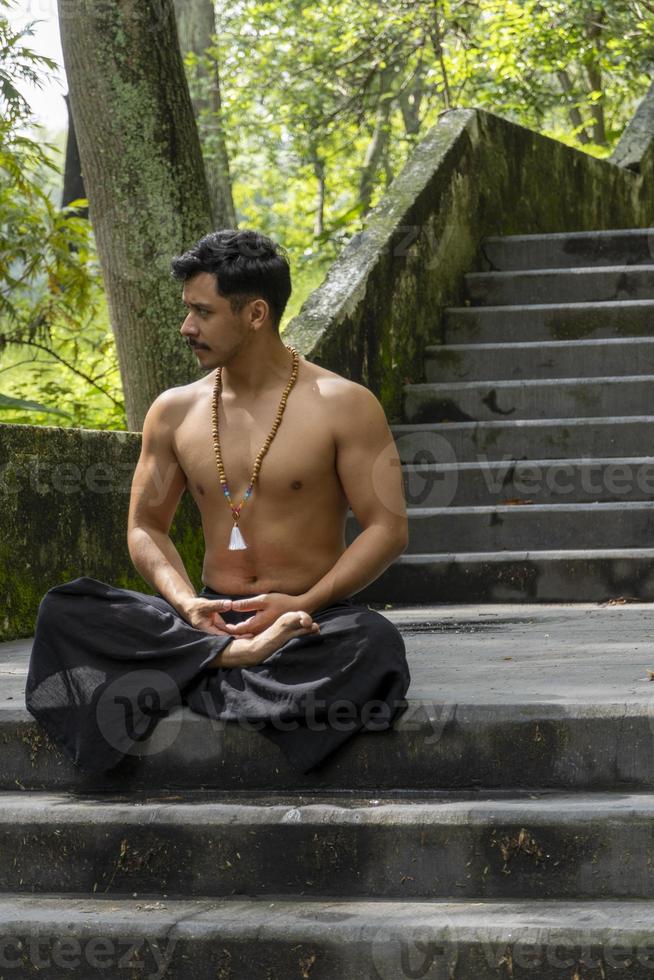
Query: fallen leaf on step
516, 501
306, 964
619, 600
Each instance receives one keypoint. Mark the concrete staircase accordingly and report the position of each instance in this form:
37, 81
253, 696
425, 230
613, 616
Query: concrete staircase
501, 830
528, 450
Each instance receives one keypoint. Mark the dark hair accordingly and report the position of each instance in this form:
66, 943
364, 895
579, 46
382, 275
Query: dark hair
246, 265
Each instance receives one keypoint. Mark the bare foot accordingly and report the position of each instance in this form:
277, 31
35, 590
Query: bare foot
245, 653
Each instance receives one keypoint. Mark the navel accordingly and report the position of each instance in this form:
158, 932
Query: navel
296, 485
200, 489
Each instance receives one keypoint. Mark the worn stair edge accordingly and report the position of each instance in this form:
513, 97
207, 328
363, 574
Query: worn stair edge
517, 384
549, 321
509, 527
539, 359
447, 442
545, 845
526, 399
435, 744
328, 939
588, 575
507, 275
486, 482
610, 343
582, 284
566, 249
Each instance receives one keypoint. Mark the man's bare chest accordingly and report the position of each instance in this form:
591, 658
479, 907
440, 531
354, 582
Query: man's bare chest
300, 461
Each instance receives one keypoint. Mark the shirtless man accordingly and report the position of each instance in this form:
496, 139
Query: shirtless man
332, 449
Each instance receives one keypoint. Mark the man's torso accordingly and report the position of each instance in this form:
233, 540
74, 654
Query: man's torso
294, 521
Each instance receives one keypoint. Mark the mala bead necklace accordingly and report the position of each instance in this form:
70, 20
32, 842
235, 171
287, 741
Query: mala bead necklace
236, 541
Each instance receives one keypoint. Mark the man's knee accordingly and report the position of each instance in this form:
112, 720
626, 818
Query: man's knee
379, 631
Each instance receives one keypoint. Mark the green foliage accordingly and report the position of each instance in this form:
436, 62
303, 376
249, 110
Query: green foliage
321, 105
318, 98
543, 63
52, 303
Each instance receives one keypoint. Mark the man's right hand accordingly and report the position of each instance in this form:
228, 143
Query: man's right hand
204, 614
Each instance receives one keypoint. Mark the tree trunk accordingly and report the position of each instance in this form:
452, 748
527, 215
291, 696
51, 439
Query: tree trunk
436, 41
573, 110
378, 140
196, 24
597, 108
594, 75
73, 181
144, 178
410, 99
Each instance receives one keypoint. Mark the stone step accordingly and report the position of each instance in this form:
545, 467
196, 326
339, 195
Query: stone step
630, 246
490, 734
324, 939
548, 321
590, 575
486, 481
449, 442
501, 696
537, 844
438, 530
471, 401
578, 285
540, 359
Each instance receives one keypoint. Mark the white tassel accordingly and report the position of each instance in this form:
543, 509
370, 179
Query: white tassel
236, 542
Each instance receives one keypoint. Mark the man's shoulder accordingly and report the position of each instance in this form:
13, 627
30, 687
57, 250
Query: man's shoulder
336, 386
173, 403
348, 404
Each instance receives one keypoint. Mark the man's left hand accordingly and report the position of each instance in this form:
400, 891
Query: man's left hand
267, 608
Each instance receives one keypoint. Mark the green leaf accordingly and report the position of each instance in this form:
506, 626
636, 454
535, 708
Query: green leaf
7, 402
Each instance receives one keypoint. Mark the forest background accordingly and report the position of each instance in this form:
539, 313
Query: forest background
305, 113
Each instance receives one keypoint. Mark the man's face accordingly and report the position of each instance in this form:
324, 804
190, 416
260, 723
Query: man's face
213, 331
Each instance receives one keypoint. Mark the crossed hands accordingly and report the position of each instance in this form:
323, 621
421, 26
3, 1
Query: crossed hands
204, 614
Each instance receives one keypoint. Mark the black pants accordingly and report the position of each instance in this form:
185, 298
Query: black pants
107, 663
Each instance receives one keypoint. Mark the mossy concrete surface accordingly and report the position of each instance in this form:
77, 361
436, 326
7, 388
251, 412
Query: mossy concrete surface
474, 174
65, 497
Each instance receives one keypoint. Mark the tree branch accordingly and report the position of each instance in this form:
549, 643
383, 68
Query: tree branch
71, 367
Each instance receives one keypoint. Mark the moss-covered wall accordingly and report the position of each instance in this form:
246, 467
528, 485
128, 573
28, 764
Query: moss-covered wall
64, 495
474, 174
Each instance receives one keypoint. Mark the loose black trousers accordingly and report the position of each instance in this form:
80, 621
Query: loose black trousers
107, 663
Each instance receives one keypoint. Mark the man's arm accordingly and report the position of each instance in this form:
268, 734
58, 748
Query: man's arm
370, 472
157, 487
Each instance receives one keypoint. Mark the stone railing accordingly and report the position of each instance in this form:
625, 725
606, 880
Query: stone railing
474, 174
636, 147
